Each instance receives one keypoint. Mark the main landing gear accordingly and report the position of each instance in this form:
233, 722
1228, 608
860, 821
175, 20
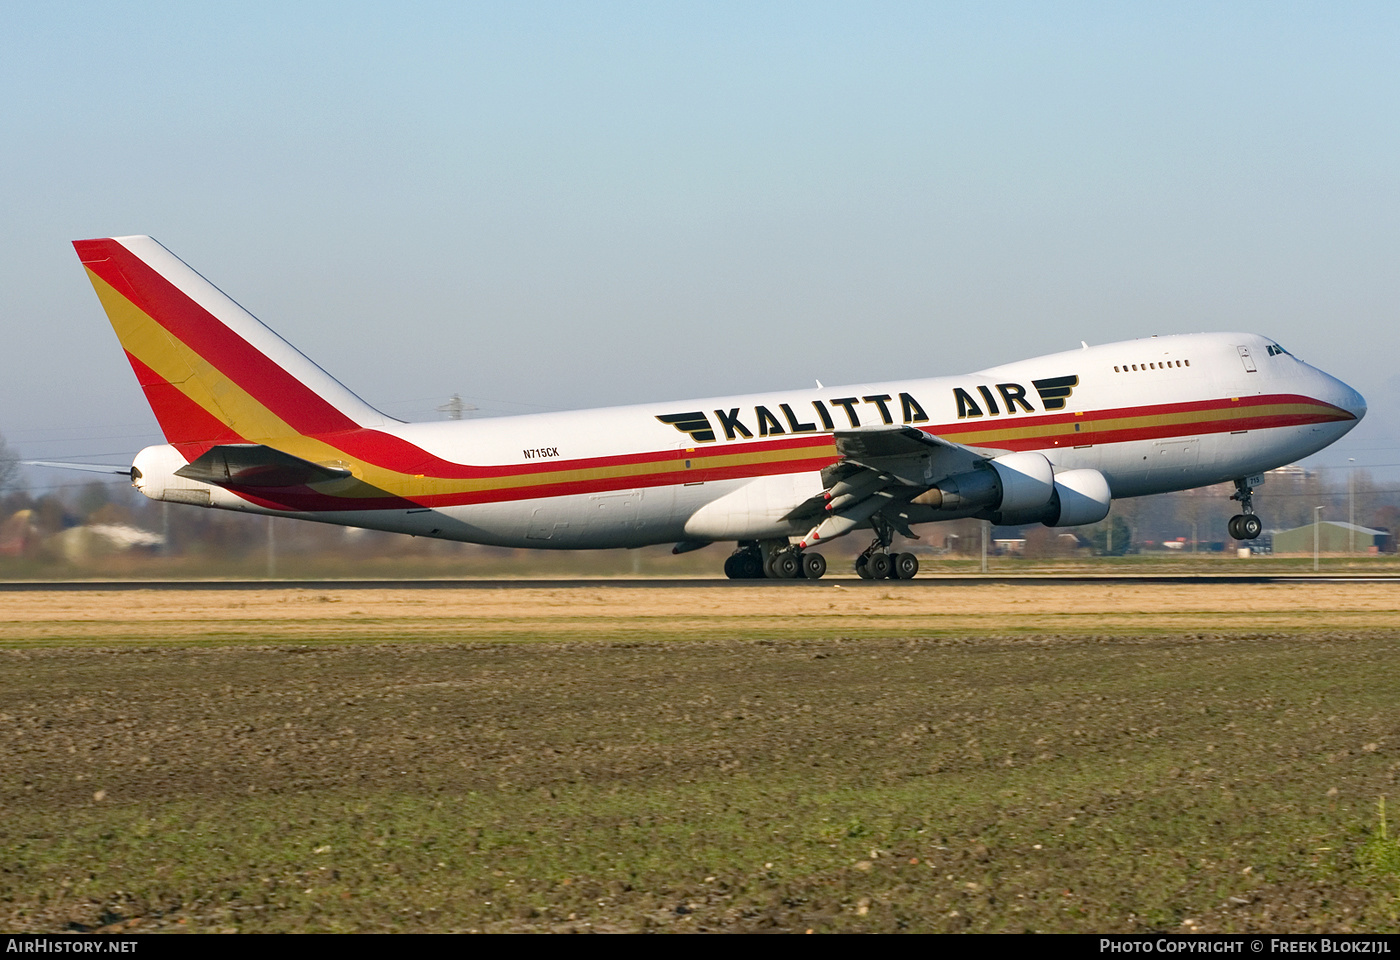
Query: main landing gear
877, 563
744, 564
1244, 526
777, 560
787, 563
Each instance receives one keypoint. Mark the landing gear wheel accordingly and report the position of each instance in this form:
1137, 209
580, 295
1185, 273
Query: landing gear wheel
906, 566
785, 566
744, 565
879, 566
813, 565
1246, 526
863, 568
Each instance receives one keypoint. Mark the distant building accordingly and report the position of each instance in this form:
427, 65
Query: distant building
1333, 537
78, 544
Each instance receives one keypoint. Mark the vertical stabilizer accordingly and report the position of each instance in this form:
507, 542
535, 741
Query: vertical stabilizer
212, 372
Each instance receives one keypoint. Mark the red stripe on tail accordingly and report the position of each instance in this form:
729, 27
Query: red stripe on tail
187, 425
306, 411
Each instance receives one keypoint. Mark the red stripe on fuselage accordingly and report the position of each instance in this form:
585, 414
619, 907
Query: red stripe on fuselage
821, 453
1006, 421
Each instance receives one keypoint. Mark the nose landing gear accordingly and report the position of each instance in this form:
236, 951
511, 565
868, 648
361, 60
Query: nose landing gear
1245, 526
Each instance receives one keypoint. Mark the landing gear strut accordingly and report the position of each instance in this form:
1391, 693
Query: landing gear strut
1244, 526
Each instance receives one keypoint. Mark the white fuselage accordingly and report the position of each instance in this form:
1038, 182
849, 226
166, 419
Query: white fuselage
1152, 415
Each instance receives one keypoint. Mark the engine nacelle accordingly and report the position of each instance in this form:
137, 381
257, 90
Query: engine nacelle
1023, 488
1027, 482
1081, 496
1078, 497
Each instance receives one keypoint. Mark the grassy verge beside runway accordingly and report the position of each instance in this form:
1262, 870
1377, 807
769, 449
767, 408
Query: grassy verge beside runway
371, 763
852, 609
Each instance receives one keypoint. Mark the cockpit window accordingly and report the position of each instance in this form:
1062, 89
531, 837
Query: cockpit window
1275, 350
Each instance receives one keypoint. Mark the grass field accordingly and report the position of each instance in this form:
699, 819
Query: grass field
840, 757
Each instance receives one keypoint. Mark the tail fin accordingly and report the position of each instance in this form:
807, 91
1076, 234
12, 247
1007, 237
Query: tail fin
212, 372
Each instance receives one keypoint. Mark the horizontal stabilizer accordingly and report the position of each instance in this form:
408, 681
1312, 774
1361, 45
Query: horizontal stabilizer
256, 465
85, 467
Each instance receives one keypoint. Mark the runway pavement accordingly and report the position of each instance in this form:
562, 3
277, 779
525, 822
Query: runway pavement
932, 582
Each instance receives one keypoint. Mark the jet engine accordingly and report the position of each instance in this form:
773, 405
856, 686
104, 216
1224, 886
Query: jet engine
1023, 488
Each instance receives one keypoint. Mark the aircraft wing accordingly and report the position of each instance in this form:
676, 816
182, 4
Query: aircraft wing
893, 462
912, 457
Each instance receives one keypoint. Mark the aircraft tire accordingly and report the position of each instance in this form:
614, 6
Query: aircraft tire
1250, 526
813, 566
906, 566
747, 566
1233, 527
786, 566
880, 566
863, 569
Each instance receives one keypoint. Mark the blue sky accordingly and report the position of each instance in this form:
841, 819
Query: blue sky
541, 206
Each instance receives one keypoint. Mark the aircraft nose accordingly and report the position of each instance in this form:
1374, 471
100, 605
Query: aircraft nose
1352, 402
1333, 391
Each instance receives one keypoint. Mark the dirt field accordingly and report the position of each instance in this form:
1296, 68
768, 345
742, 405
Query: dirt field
844, 758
